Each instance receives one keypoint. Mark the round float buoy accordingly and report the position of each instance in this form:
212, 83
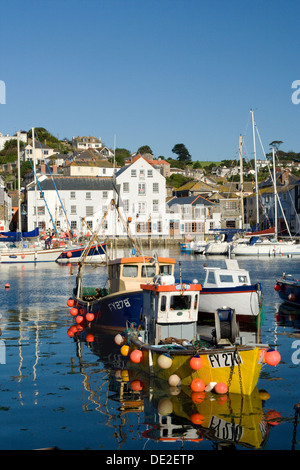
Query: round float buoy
74, 311
125, 375
137, 385
70, 302
70, 332
221, 388
124, 350
119, 339
197, 418
277, 287
174, 380
136, 356
165, 407
79, 319
7, 285
273, 417
90, 338
197, 397
292, 297
263, 395
272, 357
23, 256
164, 361
197, 385
90, 316
69, 254
196, 363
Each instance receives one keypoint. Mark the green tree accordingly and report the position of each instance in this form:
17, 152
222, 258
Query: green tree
144, 149
121, 154
182, 152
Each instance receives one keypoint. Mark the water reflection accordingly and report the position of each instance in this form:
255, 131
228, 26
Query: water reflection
171, 414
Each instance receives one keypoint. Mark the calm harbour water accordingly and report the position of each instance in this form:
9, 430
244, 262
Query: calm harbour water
56, 391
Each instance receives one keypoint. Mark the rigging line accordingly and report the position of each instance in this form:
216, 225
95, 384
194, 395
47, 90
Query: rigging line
55, 186
272, 179
54, 226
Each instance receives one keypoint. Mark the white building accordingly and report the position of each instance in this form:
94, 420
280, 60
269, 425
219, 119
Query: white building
42, 151
84, 143
99, 168
7, 137
143, 198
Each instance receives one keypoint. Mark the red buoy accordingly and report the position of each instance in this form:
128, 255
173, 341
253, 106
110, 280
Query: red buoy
70, 302
272, 357
90, 316
196, 363
90, 338
79, 319
221, 388
197, 385
74, 311
7, 285
69, 254
277, 287
136, 356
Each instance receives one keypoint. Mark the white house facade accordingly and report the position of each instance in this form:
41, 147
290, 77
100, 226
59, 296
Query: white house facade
7, 137
143, 198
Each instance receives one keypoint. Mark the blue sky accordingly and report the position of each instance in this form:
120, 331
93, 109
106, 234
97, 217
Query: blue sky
153, 72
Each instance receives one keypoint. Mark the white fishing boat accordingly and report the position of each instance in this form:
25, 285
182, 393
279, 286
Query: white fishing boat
230, 286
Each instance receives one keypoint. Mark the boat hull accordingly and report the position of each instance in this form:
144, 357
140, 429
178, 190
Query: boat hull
239, 369
245, 300
216, 248
289, 291
113, 312
96, 254
266, 249
30, 256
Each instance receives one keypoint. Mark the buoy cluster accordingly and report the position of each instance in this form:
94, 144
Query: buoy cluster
82, 319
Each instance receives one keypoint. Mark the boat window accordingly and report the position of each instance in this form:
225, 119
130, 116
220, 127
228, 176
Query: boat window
180, 302
130, 271
196, 302
165, 269
211, 277
163, 303
243, 279
226, 278
148, 271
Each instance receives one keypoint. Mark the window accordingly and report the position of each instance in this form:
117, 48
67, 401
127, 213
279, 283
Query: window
155, 205
155, 187
133, 173
163, 303
126, 187
89, 210
142, 208
41, 195
126, 205
90, 224
226, 278
150, 173
105, 194
243, 279
73, 224
142, 174
130, 271
88, 195
165, 269
142, 189
41, 210
73, 210
230, 205
148, 271
179, 302
72, 195
211, 277
159, 226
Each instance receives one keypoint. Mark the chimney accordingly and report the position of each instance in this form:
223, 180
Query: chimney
54, 168
43, 168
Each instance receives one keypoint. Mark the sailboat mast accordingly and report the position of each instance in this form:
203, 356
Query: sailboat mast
255, 162
275, 195
241, 181
34, 169
19, 185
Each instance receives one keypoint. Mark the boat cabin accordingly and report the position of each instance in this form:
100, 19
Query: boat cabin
170, 310
127, 274
231, 276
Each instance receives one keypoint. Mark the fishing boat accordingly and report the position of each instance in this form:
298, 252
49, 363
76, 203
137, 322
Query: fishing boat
119, 301
172, 345
288, 289
194, 247
95, 254
230, 286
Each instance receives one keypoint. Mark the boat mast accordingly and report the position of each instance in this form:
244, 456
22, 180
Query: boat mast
275, 195
34, 169
241, 181
256, 184
19, 229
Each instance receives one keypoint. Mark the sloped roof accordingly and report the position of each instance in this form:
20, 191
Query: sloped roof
192, 200
78, 183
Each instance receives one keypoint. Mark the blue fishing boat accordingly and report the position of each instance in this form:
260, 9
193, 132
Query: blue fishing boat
288, 289
94, 254
119, 302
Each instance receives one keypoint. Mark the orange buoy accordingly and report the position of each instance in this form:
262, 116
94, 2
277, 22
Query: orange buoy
221, 388
23, 256
196, 363
197, 397
90, 316
197, 418
79, 319
197, 385
74, 311
70, 302
272, 357
70, 333
7, 285
136, 356
137, 385
69, 254
124, 350
90, 338
273, 417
